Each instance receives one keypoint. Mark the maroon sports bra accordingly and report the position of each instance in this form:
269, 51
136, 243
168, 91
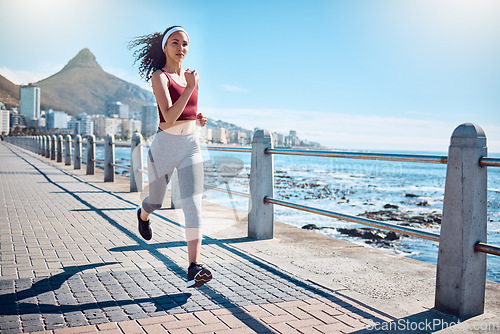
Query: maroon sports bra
175, 91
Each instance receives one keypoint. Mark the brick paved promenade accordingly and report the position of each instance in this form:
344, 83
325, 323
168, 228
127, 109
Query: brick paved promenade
72, 262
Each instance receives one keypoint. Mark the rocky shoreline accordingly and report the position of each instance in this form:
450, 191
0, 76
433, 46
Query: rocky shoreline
381, 238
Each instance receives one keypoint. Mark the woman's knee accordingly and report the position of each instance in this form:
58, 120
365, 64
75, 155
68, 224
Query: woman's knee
150, 207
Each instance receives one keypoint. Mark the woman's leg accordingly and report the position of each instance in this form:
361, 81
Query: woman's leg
191, 176
158, 180
163, 157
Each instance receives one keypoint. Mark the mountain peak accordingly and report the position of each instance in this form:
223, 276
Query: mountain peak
84, 59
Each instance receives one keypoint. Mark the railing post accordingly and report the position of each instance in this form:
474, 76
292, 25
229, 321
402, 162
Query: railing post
461, 272
48, 146
136, 164
78, 152
261, 214
109, 158
53, 140
59, 148
67, 150
90, 155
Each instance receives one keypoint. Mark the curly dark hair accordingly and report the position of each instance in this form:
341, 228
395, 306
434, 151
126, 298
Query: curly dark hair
150, 54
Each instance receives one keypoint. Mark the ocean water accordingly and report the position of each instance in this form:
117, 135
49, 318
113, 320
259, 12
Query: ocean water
351, 187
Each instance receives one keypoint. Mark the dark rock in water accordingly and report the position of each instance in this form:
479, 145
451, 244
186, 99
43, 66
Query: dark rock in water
423, 203
310, 227
392, 236
391, 206
383, 215
411, 195
422, 219
372, 236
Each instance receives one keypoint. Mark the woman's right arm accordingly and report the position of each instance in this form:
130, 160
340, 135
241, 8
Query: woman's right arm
170, 112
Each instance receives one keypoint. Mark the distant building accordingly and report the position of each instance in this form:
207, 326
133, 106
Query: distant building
220, 135
117, 109
82, 125
150, 120
278, 139
29, 101
292, 139
38, 123
56, 120
120, 128
207, 135
16, 120
136, 115
4, 122
106, 125
129, 127
239, 137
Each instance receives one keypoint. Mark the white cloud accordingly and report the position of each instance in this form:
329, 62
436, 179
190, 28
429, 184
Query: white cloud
344, 131
231, 88
23, 77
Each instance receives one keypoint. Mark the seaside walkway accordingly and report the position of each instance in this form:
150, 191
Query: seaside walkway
72, 262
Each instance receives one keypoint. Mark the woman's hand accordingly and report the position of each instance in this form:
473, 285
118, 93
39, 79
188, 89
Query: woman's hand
201, 120
191, 78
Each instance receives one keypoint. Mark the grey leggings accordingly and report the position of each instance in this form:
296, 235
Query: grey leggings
166, 153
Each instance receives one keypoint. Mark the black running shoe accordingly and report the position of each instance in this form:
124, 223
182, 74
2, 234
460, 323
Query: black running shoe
197, 275
144, 225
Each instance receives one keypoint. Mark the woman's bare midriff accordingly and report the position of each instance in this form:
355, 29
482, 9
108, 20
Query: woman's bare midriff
180, 127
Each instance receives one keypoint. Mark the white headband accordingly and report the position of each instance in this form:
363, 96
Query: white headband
170, 32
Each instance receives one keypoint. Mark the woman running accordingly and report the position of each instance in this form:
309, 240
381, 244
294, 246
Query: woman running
174, 146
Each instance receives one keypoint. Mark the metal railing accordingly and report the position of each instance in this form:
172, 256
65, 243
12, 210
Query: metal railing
359, 220
364, 156
484, 162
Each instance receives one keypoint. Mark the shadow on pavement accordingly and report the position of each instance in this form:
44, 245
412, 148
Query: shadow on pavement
40, 287
430, 321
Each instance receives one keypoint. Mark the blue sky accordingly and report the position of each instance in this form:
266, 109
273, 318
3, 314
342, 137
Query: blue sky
354, 74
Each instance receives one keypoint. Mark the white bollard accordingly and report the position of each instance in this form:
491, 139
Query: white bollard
53, 144
461, 272
136, 164
90, 155
109, 158
261, 214
59, 139
48, 146
78, 152
67, 150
